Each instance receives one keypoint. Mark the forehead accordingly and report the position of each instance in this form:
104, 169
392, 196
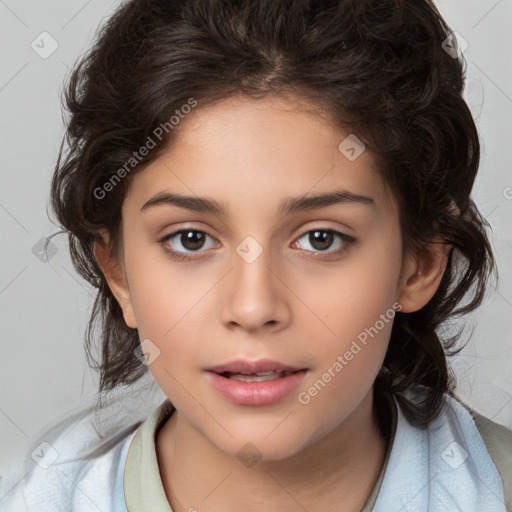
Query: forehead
241, 147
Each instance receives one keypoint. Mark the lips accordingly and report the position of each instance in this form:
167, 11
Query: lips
251, 367
255, 383
255, 377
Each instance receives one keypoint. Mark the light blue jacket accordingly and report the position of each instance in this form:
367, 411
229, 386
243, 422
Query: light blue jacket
447, 467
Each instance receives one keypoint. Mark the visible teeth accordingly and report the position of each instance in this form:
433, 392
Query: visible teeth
257, 377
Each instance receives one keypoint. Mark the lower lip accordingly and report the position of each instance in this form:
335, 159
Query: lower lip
256, 393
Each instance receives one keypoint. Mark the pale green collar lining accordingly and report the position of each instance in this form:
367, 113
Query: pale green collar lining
143, 487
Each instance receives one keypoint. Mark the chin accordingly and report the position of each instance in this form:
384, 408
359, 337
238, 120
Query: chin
262, 444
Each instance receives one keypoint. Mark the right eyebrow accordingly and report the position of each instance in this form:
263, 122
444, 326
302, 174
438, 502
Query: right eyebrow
198, 204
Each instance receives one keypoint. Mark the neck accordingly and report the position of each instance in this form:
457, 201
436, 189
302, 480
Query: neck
341, 468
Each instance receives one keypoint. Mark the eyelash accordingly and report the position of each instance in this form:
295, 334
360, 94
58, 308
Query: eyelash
348, 241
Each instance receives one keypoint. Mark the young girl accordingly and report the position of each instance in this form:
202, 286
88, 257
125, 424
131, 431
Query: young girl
273, 199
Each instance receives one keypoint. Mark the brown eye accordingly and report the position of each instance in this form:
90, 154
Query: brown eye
192, 240
320, 240
185, 242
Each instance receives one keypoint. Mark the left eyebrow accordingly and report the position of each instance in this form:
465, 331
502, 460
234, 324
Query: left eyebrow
288, 206
312, 202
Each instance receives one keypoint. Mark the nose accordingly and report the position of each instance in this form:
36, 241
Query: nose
255, 295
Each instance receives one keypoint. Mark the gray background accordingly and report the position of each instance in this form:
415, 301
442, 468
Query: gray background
44, 306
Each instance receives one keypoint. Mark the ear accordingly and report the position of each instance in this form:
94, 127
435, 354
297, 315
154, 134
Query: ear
115, 275
422, 274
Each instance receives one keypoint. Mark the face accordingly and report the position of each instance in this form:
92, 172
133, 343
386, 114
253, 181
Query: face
303, 291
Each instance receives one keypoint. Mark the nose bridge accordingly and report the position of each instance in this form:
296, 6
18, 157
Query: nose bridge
253, 267
255, 296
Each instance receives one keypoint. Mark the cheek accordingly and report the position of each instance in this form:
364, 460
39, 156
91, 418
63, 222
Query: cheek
162, 293
353, 295
349, 361
357, 307
166, 302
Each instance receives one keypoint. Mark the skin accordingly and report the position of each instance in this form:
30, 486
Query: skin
294, 303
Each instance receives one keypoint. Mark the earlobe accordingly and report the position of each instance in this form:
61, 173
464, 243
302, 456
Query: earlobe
116, 278
422, 276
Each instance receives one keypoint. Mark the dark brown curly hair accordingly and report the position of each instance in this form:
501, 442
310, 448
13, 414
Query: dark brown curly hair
375, 67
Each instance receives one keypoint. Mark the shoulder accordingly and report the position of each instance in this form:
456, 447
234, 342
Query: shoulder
447, 465
498, 441
65, 474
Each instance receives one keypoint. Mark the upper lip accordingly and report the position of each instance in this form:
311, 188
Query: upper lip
245, 366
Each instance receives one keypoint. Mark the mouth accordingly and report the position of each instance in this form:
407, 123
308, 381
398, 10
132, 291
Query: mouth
255, 377
255, 383
246, 367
